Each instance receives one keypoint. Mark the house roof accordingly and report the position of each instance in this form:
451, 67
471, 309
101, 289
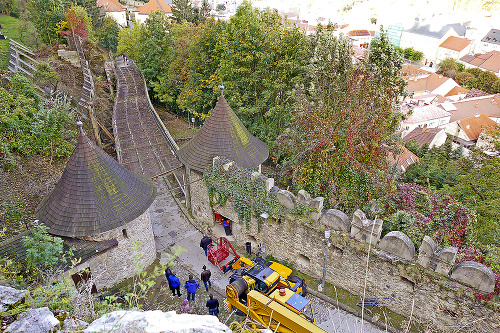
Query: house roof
154, 5
402, 158
85, 249
422, 135
455, 43
224, 135
95, 194
457, 91
425, 113
110, 5
359, 33
469, 107
473, 126
489, 61
413, 70
493, 37
476, 93
433, 83
436, 32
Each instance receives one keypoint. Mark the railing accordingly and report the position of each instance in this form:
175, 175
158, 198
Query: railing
21, 59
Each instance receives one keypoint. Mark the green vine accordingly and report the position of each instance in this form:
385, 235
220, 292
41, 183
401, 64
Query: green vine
248, 195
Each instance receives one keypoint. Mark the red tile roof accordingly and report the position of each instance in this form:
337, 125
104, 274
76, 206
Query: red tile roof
457, 91
469, 107
489, 61
110, 5
422, 135
455, 43
403, 158
473, 126
154, 5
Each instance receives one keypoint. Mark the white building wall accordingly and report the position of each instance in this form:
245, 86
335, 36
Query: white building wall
120, 17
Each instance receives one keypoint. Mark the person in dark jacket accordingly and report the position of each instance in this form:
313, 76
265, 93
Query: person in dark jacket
205, 277
213, 306
174, 283
191, 286
205, 241
168, 272
227, 226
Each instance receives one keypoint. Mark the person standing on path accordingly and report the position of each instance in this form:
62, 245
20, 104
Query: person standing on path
185, 308
213, 306
205, 241
168, 272
174, 284
205, 277
191, 286
227, 226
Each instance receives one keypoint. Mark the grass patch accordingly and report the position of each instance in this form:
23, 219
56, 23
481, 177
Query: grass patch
392, 318
19, 30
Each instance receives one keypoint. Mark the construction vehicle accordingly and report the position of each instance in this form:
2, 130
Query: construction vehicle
266, 277
282, 311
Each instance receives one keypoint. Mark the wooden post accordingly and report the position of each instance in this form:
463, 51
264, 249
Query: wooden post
95, 127
187, 188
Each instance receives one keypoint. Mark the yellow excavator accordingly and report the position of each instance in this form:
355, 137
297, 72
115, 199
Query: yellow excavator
282, 311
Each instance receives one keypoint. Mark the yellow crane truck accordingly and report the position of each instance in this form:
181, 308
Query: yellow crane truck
282, 311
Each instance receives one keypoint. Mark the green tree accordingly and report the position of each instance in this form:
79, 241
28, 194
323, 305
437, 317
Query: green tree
200, 92
261, 62
45, 76
169, 85
479, 190
182, 10
44, 250
486, 80
466, 79
335, 146
448, 67
45, 14
107, 33
149, 45
79, 21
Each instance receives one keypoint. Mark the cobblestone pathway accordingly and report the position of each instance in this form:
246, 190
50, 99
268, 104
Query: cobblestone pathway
172, 229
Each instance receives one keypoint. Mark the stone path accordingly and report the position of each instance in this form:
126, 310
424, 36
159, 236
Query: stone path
172, 229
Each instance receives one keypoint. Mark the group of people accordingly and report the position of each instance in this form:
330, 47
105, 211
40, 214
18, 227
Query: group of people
191, 286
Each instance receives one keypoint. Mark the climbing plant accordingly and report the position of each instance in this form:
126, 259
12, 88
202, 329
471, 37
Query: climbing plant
247, 193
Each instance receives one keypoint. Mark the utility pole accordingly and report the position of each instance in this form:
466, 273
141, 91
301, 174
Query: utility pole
327, 239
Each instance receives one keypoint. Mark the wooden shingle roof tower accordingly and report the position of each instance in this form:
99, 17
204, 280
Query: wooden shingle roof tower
224, 135
95, 194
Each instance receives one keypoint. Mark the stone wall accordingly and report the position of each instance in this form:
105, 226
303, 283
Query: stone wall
432, 298
116, 264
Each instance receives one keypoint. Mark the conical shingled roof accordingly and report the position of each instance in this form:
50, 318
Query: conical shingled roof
95, 194
223, 134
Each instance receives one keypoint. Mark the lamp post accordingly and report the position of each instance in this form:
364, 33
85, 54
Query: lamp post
264, 216
327, 239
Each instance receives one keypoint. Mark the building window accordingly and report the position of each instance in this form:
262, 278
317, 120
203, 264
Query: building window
124, 232
411, 158
403, 168
408, 161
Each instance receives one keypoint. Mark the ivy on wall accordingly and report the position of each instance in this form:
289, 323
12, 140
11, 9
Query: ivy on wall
248, 195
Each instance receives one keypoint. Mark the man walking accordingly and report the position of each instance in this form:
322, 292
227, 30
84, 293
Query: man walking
191, 286
174, 284
205, 277
213, 306
205, 241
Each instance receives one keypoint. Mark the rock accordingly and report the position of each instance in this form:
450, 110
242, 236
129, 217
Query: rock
336, 219
364, 230
431, 256
269, 184
398, 244
39, 320
11, 296
286, 199
70, 56
228, 165
156, 321
255, 175
303, 197
73, 325
475, 275
317, 204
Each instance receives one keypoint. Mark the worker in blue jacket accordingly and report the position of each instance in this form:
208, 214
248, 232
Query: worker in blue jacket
175, 284
191, 286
